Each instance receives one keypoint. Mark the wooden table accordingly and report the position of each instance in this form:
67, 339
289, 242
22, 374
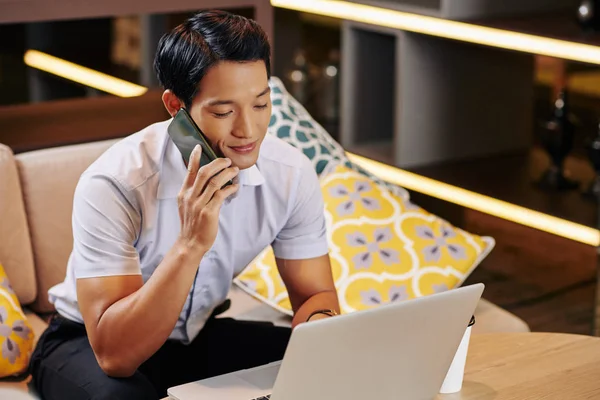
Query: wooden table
531, 366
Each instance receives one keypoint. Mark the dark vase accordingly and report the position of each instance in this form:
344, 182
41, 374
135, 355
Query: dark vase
557, 138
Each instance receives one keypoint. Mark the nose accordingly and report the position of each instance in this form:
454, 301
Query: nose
243, 126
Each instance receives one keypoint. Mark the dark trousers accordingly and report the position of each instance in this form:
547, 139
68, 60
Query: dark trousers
63, 365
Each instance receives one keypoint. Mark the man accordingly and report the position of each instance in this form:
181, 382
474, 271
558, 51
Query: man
157, 243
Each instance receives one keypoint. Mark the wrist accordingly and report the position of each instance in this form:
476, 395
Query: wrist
321, 314
188, 250
317, 317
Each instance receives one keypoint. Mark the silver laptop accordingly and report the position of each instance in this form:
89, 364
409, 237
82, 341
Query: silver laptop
395, 351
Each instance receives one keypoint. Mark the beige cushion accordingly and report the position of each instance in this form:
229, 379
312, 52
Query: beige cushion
488, 317
48, 179
491, 318
15, 246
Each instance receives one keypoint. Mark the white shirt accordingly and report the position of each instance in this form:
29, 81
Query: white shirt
125, 219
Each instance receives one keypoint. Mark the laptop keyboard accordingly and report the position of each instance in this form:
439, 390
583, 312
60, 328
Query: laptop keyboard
267, 397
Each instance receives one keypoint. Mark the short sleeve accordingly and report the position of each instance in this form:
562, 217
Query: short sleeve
304, 234
105, 227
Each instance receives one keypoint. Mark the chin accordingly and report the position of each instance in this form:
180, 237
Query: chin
243, 162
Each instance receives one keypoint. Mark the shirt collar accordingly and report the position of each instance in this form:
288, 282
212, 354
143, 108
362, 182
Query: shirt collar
173, 172
251, 176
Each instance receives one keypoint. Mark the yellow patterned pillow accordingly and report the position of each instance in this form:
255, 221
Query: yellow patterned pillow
16, 335
382, 248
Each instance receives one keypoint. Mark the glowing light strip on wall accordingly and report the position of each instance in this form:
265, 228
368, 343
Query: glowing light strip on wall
479, 202
395, 175
85, 76
446, 29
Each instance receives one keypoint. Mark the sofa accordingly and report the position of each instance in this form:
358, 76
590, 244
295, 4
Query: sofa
35, 239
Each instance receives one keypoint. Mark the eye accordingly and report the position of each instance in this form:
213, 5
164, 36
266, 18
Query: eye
262, 107
223, 115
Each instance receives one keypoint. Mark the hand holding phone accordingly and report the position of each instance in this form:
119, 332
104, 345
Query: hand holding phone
200, 199
186, 135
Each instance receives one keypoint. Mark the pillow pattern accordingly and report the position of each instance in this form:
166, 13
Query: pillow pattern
382, 248
16, 334
292, 123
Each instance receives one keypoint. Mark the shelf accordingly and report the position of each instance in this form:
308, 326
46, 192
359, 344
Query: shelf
420, 93
510, 178
382, 151
533, 34
554, 25
368, 96
501, 187
468, 10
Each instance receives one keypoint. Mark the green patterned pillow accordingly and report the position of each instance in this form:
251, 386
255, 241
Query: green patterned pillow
292, 123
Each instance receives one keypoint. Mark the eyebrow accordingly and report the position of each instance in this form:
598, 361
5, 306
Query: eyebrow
267, 90
225, 102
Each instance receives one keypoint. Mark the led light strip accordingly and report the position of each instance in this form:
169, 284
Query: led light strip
479, 202
395, 175
446, 28
85, 76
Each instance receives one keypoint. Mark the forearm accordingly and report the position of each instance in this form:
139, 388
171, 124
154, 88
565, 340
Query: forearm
322, 300
135, 327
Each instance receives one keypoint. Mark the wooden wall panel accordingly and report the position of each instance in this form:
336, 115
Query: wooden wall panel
54, 123
23, 11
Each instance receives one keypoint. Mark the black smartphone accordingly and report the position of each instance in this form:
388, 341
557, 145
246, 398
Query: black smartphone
186, 135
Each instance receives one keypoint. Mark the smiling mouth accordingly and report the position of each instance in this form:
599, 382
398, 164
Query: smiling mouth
248, 148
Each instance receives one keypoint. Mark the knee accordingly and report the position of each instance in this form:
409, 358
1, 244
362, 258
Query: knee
52, 385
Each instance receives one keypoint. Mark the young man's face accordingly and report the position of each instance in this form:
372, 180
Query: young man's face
233, 109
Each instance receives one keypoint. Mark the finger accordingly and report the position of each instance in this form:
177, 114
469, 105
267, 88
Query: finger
216, 183
193, 166
206, 172
214, 205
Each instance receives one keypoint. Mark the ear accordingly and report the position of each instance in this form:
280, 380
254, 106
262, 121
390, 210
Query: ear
171, 102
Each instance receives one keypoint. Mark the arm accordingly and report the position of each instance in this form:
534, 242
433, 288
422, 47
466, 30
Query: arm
122, 330
310, 286
127, 321
302, 252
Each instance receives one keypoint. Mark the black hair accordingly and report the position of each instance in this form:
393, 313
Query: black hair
185, 54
